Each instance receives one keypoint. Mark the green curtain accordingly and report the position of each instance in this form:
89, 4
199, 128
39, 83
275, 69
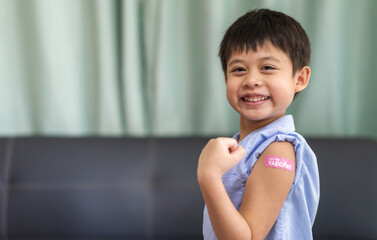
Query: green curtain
150, 67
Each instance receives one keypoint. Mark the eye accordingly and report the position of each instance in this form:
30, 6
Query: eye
238, 69
267, 68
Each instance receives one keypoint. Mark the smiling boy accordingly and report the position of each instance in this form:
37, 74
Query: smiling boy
263, 183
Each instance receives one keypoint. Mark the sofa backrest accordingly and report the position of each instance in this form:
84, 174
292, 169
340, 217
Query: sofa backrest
3, 183
146, 188
348, 180
100, 187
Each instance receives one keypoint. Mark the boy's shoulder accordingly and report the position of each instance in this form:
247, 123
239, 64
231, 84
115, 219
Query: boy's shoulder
281, 128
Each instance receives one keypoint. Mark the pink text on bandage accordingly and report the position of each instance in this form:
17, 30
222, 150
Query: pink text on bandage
279, 162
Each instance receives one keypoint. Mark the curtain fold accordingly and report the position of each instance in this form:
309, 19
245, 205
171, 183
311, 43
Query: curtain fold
150, 67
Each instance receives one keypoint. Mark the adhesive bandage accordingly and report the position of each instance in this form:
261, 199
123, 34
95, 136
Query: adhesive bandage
279, 162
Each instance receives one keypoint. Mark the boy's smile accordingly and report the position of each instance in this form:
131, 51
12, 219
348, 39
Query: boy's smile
254, 99
260, 85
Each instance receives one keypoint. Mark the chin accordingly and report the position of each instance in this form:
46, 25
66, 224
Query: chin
261, 118
254, 119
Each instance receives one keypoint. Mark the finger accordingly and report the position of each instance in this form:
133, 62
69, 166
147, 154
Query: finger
231, 143
239, 152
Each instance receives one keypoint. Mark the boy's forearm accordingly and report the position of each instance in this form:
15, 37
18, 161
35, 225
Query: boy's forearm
226, 221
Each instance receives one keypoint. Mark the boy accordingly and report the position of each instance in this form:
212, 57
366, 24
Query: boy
263, 183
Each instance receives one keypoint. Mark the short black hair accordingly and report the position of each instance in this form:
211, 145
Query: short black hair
251, 30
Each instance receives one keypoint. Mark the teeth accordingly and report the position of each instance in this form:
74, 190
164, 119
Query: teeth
255, 99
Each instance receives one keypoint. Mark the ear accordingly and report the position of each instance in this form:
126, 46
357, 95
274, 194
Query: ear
302, 78
225, 77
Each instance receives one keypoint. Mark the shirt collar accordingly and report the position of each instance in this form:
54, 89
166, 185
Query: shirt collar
284, 123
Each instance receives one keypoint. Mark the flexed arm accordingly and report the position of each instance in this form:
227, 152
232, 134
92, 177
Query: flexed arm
218, 156
265, 190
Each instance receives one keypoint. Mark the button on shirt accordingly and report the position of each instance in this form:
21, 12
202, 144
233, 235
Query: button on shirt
297, 215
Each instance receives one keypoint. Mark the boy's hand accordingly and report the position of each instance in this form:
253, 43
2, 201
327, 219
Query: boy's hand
218, 156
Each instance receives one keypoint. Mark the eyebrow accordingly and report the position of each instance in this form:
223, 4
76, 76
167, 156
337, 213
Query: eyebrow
234, 61
270, 58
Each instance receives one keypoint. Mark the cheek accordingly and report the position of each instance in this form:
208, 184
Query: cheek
283, 96
231, 93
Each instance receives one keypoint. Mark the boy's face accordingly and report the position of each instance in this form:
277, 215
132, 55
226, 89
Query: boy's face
260, 85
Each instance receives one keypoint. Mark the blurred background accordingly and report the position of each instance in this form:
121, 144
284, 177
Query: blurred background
150, 67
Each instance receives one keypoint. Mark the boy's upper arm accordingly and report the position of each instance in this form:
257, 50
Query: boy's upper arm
267, 188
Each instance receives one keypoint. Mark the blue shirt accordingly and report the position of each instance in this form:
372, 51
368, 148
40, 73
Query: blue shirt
297, 215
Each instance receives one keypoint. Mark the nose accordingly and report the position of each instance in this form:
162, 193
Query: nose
252, 81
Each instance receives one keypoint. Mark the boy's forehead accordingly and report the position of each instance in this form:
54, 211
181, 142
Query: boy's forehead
266, 48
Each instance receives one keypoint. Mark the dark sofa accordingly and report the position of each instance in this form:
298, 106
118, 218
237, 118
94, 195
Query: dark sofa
145, 188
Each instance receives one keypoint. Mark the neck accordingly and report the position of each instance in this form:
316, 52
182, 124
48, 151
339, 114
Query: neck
246, 126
